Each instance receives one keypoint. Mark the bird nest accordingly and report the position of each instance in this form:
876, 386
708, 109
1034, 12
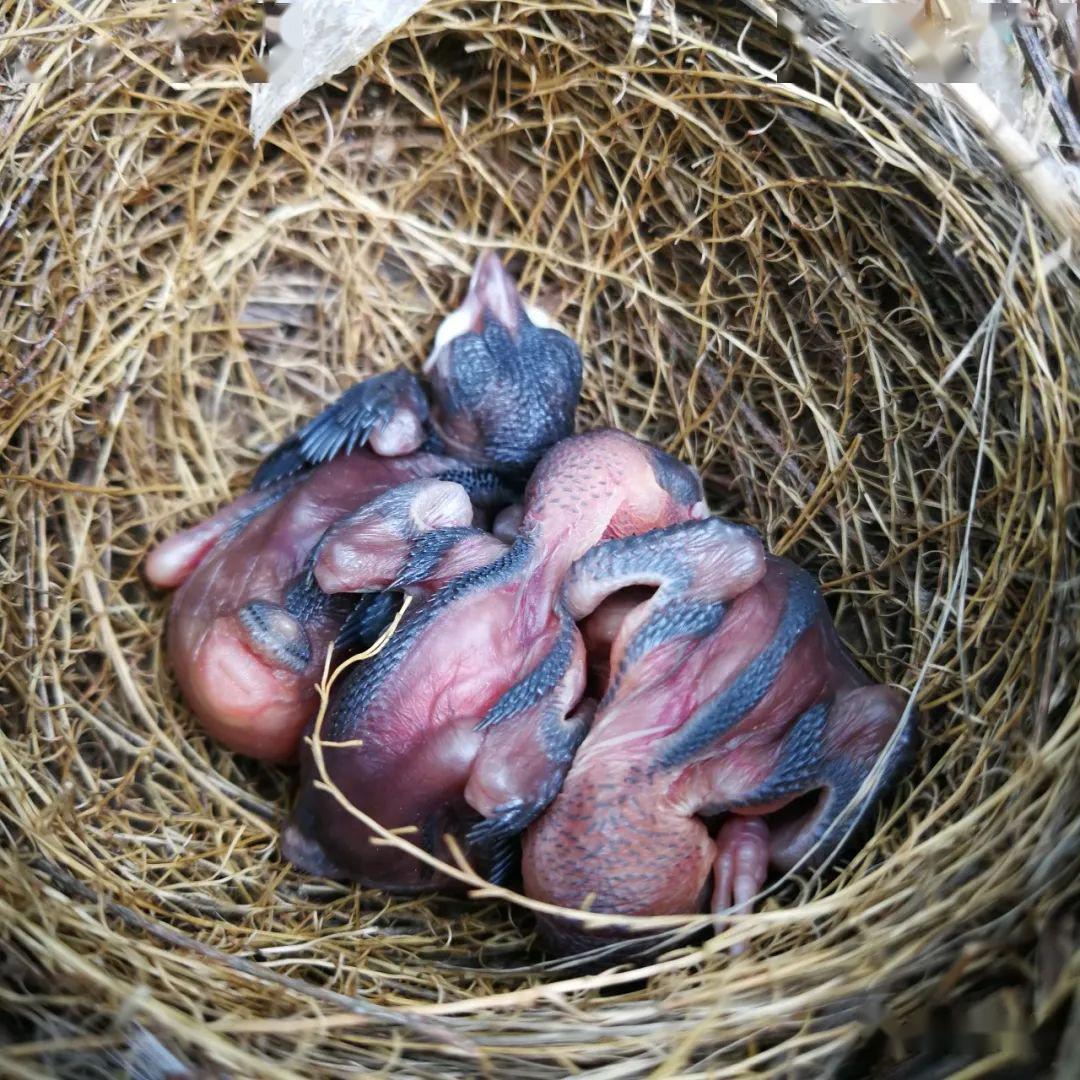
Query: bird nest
823, 292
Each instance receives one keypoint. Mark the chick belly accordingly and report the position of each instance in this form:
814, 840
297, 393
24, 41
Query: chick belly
414, 789
244, 700
243, 697
452, 675
657, 693
418, 744
628, 729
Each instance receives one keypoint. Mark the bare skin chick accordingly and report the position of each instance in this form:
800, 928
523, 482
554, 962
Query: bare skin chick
470, 716
249, 629
733, 735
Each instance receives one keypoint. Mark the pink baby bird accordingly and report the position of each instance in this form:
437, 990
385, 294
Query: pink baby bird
249, 628
733, 735
468, 719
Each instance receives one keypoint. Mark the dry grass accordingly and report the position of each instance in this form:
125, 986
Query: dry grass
825, 294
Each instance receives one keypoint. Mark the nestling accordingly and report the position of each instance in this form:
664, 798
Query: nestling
249, 628
470, 716
734, 733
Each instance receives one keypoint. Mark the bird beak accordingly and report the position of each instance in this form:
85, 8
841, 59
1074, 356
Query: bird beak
492, 294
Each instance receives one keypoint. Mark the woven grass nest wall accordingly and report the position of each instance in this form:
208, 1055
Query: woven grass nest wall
825, 293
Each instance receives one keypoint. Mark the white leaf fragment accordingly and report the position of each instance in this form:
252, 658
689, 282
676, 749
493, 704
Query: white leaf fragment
319, 38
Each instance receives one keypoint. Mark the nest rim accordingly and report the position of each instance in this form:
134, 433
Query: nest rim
743, 299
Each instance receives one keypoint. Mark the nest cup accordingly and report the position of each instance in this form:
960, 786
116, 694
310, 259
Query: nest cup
825, 293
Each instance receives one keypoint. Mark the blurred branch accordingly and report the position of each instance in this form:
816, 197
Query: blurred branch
1027, 37
1033, 174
